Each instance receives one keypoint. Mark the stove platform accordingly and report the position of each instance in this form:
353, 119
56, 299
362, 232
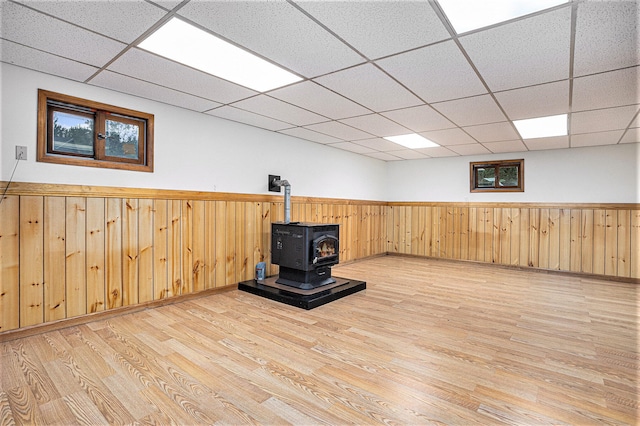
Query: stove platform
306, 299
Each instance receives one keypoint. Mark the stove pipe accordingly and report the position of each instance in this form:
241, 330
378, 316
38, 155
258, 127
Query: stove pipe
287, 197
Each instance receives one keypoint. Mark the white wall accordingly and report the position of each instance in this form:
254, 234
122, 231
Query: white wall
199, 152
193, 151
603, 174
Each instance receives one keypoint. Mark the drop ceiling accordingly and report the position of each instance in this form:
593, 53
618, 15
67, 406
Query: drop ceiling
370, 69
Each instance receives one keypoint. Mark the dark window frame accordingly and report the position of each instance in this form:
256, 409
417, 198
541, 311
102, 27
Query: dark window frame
476, 167
48, 102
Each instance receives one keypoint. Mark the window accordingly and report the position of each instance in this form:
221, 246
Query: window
497, 176
85, 133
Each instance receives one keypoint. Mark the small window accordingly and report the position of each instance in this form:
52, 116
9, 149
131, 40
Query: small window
497, 176
85, 133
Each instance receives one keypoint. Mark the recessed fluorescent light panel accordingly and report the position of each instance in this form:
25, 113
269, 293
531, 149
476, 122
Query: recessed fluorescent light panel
412, 141
467, 15
543, 127
191, 46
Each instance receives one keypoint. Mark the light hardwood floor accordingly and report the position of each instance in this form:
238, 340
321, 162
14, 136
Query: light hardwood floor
428, 342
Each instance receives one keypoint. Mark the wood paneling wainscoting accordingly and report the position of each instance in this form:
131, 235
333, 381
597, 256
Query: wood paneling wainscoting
67, 251
599, 239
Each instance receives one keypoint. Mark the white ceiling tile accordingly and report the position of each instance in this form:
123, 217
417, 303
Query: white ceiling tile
471, 111
368, 86
438, 151
122, 83
24, 26
380, 144
606, 36
383, 156
408, 154
506, 146
275, 30
26, 57
631, 136
596, 139
525, 52
419, 119
376, 125
310, 135
352, 147
610, 89
449, 137
435, 73
279, 110
493, 132
556, 142
602, 119
146, 66
536, 101
380, 28
311, 96
339, 130
121, 20
635, 122
471, 149
242, 116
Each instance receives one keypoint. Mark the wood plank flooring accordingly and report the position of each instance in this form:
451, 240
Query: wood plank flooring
428, 342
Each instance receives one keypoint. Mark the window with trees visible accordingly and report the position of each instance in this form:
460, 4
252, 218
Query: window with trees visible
497, 176
80, 132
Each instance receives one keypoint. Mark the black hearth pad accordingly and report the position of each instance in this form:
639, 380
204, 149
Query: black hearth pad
306, 299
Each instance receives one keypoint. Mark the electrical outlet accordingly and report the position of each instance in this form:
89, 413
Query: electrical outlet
21, 152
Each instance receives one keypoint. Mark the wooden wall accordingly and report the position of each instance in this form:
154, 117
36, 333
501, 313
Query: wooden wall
592, 239
67, 251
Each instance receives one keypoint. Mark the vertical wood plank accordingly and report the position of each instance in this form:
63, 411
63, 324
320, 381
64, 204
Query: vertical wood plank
489, 241
576, 241
534, 237
174, 236
482, 234
221, 246
76, 261
525, 237
9, 263
231, 243
554, 239
55, 307
495, 235
611, 243
160, 249
113, 253
130, 252
543, 242
199, 242
266, 236
187, 247
624, 243
428, 235
505, 236
96, 256
464, 233
473, 233
31, 247
565, 239
635, 244
210, 244
587, 241
442, 226
450, 235
515, 237
241, 260
146, 230
599, 232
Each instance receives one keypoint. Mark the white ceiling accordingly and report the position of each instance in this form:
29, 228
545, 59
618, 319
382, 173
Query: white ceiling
370, 68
